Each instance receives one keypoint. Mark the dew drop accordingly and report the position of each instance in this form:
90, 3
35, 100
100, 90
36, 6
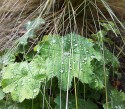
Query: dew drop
34, 90
62, 42
66, 53
22, 84
70, 68
61, 71
29, 23
53, 41
81, 69
76, 45
29, 80
4, 62
21, 42
52, 75
70, 65
92, 56
83, 61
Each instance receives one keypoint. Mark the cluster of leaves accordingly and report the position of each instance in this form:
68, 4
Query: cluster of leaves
65, 58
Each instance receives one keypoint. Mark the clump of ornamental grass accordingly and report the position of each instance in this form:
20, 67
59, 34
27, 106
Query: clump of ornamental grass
27, 22
61, 16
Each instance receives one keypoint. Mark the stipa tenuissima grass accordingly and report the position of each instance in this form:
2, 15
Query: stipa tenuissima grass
87, 18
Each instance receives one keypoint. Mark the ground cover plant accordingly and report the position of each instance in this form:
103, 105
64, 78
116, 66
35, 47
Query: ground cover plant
64, 57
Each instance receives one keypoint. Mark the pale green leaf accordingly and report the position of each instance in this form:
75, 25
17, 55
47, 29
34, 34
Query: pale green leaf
31, 27
23, 79
2, 95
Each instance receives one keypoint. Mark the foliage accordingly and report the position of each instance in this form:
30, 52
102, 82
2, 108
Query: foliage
31, 27
68, 61
76, 54
82, 104
17, 80
117, 100
2, 95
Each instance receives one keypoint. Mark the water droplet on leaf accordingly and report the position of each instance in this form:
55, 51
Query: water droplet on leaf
61, 71
92, 56
29, 23
34, 90
29, 80
66, 53
81, 69
76, 45
83, 61
54, 41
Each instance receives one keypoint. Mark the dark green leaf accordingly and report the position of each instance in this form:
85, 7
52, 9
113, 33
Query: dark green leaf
73, 104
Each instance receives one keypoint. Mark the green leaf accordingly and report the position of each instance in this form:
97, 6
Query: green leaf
81, 104
99, 76
108, 25
67, 57
23, 79
100, 35
2, 95
34, 24
108, 57
117, 100
31, 27
6, 59
9, 104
